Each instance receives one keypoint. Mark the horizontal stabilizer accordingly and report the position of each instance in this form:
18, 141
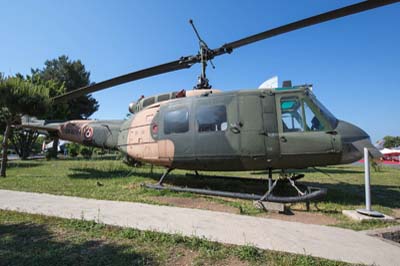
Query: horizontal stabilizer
53, 127
37, 124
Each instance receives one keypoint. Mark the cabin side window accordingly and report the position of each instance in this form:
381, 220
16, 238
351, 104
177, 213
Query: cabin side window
211, 118
176, 121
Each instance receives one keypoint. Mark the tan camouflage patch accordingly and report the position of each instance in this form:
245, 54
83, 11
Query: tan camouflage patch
76, 131
141, 144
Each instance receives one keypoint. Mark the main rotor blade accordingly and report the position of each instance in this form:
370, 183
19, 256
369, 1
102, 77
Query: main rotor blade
331, 15
186, 62
144, 73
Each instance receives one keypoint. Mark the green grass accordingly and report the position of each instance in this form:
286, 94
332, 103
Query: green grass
113, 180
27, 239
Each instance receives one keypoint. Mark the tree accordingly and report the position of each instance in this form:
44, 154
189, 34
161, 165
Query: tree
71, 75
391, 141
18, 97
2, 124
23, 140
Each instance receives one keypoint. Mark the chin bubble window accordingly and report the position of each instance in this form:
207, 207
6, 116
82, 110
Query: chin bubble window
211, 118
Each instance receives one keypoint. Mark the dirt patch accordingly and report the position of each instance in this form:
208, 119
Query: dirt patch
232, 261
396, 214
302, 217
132, 186
182, 257
196, 203
391, 234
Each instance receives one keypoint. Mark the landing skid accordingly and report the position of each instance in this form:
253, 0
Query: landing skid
316, 194
197, 175
310, 194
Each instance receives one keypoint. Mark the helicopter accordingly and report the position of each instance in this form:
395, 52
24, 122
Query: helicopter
205, 129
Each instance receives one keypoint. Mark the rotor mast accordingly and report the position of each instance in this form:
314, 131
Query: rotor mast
205, 54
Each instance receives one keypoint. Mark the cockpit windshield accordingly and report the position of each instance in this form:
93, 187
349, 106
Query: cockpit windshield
303, 114
323, 110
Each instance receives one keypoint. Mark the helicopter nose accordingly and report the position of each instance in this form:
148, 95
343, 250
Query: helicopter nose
354, 140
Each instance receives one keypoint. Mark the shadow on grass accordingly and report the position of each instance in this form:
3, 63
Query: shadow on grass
31, 244
93, 158
321, 170
23, 164
93, 173
354, 194
340, 193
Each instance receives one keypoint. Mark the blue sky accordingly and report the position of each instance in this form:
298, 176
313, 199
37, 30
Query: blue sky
353, 62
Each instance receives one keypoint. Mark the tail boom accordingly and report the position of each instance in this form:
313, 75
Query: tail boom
96, 133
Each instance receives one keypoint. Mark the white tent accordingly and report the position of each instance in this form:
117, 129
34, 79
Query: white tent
50, 145
389, 151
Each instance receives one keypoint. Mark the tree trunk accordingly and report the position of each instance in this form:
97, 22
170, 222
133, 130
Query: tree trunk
5, 149
54, 152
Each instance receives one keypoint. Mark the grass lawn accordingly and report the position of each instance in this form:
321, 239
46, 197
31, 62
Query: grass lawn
113, 180
27, 239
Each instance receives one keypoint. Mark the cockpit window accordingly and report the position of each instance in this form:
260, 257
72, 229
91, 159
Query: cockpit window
288, 104
298, 115
292, 115
324, 111
312, 121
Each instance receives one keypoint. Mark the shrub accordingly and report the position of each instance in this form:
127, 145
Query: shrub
49, 154
376, 166
73, 149
86, 152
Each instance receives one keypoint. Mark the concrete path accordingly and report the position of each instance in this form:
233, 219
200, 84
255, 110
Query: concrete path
320, 241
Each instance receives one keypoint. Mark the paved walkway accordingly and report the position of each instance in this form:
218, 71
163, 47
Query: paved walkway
320, 241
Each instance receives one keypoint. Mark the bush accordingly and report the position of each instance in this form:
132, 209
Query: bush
99, 151
49, 154
37, 146
86, 152
376, 166
73, 149
1, 142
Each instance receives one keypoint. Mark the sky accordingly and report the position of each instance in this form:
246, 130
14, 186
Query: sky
353, 62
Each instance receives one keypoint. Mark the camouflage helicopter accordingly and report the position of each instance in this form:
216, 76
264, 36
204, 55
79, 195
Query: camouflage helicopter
270, 128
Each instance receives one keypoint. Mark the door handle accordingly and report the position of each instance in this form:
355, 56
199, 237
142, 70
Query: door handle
283, 139
331, 132
235, 127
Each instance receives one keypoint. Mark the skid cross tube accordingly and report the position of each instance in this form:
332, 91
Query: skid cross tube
166, 173
269, 192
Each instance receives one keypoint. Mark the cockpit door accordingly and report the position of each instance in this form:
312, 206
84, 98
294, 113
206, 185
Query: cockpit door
304, 136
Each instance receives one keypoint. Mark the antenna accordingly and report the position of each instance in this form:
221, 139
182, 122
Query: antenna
205, 54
